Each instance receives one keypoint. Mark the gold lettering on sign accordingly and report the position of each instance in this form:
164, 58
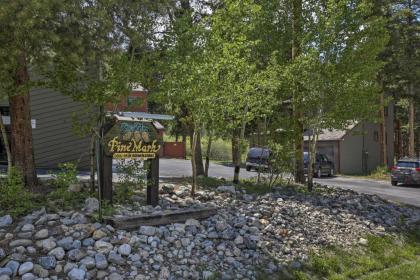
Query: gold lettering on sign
133, 148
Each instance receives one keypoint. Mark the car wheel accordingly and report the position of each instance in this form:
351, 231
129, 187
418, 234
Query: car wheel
394, 183
248, 168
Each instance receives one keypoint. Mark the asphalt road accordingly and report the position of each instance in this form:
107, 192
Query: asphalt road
403, 194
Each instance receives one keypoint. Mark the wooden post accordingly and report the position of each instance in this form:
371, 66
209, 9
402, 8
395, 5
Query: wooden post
107, 178
153, 181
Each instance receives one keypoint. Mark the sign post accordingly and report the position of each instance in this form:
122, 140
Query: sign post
129, 138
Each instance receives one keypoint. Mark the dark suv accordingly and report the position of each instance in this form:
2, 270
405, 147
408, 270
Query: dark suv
407, 171
322, 166
257, 158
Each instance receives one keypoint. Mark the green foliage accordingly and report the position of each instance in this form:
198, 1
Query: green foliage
131, 179
61, 198
14, 199
381, 173
66, 176
383, 258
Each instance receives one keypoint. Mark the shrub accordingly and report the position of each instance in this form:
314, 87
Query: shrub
15, 200
66, 176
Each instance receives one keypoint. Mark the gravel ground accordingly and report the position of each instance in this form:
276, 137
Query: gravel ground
249, 232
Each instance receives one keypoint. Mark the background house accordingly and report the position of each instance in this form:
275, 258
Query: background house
356, 150
55, 138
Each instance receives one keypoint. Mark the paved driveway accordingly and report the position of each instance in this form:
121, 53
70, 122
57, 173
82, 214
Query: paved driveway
405, 194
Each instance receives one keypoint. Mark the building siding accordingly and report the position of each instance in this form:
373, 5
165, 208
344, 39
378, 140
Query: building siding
54, 139
360, 137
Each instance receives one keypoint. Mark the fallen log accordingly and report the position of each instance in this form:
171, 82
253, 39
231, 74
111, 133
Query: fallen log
164, 218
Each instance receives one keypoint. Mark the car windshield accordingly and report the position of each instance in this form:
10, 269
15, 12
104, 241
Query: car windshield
258, 153
408, 164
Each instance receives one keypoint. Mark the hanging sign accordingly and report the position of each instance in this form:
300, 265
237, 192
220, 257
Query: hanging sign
132, 140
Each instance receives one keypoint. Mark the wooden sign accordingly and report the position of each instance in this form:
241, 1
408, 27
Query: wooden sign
132, 139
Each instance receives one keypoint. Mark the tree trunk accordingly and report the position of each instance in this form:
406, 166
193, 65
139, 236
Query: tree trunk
397, 135
193, 162
206, 168
21, 129
411, 115
382, 137
92, 162
6, 145
236, 155
312, 155
184, 143
297, 114
199, 156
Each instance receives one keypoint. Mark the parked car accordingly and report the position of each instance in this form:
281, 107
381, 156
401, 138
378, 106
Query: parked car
407, 171
322, 165
257, 158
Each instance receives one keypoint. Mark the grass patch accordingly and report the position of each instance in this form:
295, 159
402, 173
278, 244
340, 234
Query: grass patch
383, 258
380, 173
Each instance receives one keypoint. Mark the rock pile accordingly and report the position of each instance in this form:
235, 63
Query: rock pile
248, 232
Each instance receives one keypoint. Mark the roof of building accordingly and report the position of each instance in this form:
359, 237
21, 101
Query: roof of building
330, 134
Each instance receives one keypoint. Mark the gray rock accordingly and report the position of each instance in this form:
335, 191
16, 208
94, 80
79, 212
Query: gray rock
76, 274
66, 243
58, 253
100, 261
42, 234
4, 277
228, 189
40, 271
115, 258
5, 221
164, 273
76, 254
42, 220
69, 266
88, 262
13, 265
78, 218
48, 244
115, 276
77, 244
6, 271
28, 276
91, 205
25, 235
103, 247
239, 240
25, 267
168, 188
20, 242
88, 242
31, 250
47, 262
27, 227
124, 250
221, 225
147, 230
2, 254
